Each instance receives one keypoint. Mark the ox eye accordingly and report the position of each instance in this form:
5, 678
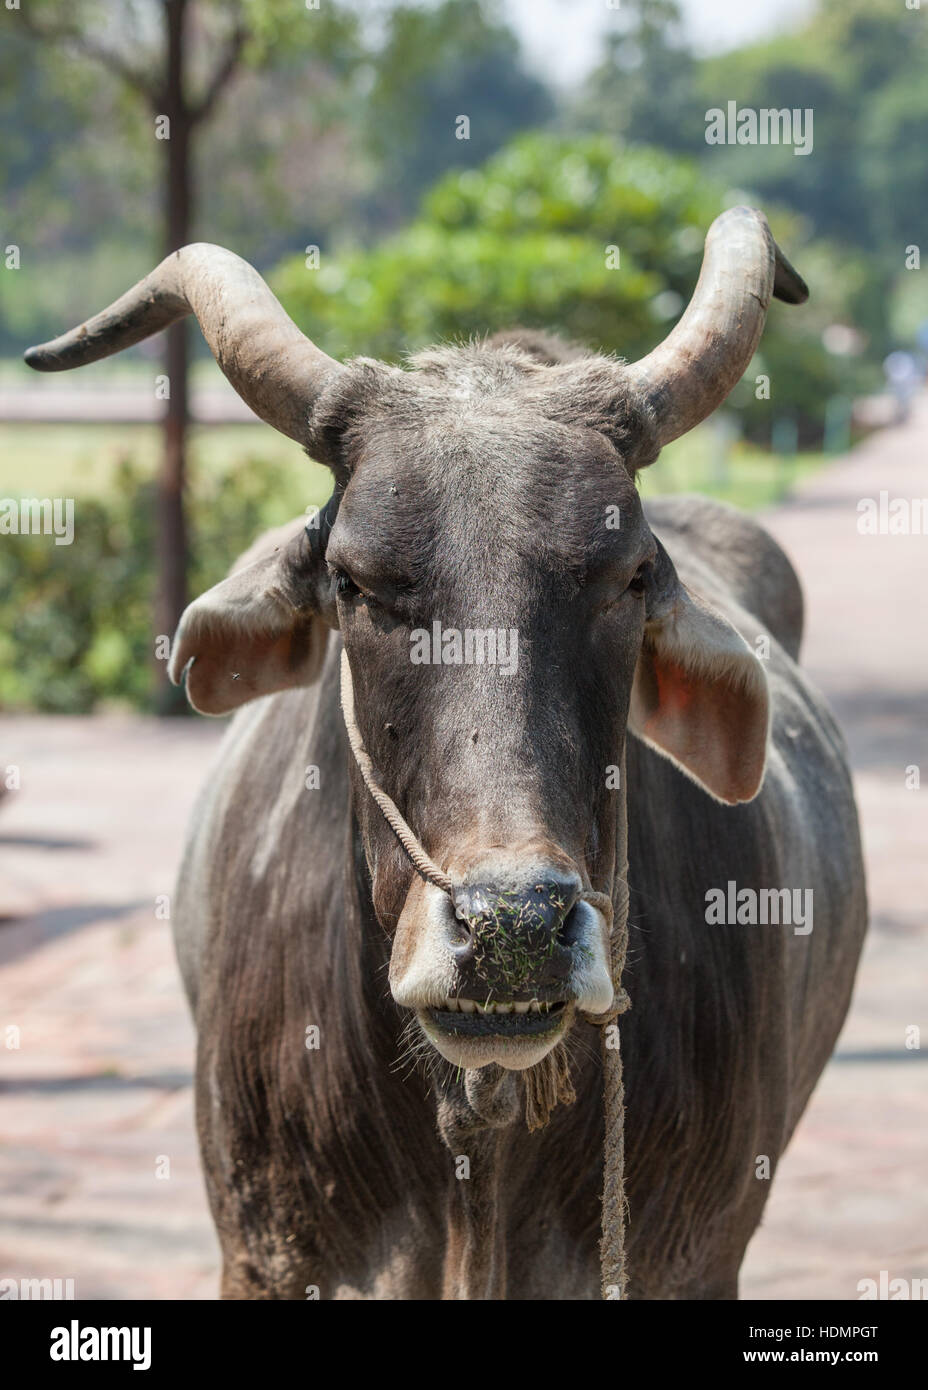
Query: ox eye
639, 580
345, 585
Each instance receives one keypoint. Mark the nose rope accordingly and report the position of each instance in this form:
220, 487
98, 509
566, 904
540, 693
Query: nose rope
425, 865
614, 1207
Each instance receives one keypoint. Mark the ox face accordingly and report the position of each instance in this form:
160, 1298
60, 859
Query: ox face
490, 753
469, 506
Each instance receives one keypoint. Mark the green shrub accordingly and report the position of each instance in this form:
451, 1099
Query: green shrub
76, 620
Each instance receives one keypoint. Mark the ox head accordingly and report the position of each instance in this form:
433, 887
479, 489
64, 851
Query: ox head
506, 611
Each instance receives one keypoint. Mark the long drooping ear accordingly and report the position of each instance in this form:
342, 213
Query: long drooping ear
700, 695
259, 631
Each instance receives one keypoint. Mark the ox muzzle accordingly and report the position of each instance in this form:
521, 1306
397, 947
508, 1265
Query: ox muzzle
497, 970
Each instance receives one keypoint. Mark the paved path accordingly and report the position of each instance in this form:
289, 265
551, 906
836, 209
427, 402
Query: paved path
850, 1198
99, 1176
99, 1093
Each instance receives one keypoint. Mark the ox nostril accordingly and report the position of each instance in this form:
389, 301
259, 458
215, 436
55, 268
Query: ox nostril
551, 904
571, 928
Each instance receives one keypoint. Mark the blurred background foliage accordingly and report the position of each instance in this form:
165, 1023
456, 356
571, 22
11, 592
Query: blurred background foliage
599, 241
75, 621
579, 209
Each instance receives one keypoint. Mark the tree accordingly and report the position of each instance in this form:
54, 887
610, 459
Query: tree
644, 88
161, 51
856, 65
859, 66
448, 88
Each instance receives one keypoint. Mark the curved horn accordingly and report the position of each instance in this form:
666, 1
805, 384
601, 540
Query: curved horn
276, 370
705, 355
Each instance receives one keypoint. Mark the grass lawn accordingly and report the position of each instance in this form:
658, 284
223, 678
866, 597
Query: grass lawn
80, 460
744, 475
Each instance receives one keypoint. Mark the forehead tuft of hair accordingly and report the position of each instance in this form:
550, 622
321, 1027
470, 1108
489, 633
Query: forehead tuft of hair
531, 376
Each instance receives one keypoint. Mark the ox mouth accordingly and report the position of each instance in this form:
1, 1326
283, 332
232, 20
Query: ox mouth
525, 1018
472, 1038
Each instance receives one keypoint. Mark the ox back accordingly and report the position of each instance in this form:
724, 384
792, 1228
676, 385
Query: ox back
316, 1101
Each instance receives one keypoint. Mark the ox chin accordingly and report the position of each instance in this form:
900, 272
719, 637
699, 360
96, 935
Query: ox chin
514, 1038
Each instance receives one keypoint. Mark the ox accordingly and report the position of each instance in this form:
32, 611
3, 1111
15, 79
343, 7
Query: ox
637, 747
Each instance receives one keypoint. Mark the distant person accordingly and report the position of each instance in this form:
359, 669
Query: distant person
903, 379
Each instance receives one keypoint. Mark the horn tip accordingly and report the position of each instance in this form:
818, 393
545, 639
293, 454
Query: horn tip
40, 359
788, 284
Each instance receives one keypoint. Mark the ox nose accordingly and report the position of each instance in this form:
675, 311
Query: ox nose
517, 940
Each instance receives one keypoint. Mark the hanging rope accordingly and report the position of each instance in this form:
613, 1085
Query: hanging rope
614, 1209
613, 1274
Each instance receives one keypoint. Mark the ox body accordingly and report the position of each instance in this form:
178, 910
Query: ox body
364, 1037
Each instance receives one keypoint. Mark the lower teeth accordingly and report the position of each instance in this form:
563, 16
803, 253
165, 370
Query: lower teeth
471, 1006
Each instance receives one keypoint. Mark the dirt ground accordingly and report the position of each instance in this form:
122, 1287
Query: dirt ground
99, 1173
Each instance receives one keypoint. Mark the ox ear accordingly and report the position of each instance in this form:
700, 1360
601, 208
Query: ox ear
700, 695
259, 630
